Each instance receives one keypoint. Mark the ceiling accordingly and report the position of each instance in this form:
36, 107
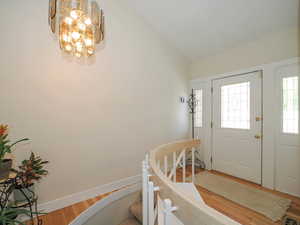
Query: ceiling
199, 28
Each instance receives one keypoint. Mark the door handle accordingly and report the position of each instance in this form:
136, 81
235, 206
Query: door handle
257, 136
257, 119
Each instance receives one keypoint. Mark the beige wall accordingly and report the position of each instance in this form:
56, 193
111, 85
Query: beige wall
270, 48
94, 121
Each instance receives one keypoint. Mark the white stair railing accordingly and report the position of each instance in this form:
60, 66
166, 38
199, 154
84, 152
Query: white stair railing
150, 206
177, 161
175, 206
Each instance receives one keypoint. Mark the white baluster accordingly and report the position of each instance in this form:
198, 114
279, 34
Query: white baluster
183, 166
168, 209
145, 191
193, 165
147, 159
166, 165
152, 209
178, 160
174, 166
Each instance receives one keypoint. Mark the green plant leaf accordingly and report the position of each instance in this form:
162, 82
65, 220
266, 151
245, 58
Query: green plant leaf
24, 139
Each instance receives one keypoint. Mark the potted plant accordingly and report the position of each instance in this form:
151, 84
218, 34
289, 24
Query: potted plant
30, 171
6, 147
8, 215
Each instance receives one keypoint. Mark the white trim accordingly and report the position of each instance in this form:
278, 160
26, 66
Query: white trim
94, 209
242, 71
87, 194
228, 74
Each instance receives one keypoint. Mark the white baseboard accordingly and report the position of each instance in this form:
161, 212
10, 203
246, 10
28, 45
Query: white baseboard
91, 193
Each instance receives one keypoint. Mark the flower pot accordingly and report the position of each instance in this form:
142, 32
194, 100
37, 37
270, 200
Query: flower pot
5, 167
20, 192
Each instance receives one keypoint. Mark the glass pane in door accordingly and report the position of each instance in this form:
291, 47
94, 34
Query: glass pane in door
235, 106
290, 105
198, 110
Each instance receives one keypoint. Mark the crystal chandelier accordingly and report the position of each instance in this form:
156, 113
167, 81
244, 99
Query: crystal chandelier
78, 25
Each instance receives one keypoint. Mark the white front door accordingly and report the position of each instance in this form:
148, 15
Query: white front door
237, 126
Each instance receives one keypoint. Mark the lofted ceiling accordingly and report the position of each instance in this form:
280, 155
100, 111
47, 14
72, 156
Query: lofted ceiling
198, 28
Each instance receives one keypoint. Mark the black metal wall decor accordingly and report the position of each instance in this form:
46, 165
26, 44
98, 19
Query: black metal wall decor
192, 103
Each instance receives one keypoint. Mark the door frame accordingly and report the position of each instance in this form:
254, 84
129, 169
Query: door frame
283, 138
262, 116
268, 93
205, 146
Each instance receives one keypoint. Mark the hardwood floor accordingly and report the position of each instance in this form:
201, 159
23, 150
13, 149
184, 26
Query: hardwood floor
66, 215
233, 210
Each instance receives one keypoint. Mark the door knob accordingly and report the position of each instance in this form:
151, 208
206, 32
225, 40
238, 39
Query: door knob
257, 136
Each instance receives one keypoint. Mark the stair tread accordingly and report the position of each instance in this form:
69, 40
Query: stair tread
137, 210
131, 221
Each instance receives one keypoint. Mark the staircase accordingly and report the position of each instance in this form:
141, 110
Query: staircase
136, 210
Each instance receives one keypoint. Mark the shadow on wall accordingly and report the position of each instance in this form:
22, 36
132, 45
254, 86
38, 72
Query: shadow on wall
298, 25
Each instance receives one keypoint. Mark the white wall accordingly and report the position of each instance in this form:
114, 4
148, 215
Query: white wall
93, 121
269, 48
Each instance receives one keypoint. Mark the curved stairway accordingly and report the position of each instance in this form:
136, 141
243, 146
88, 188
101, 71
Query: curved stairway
136, 210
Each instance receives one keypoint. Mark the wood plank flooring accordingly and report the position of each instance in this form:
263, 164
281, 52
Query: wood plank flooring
233, 210
66, 215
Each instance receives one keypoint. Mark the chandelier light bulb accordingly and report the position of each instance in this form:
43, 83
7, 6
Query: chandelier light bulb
68, 48
74, 14
88, 42
88, 21
81, 26
78, 55
90, 51
66, 38
75, 35
79, 46
68, 20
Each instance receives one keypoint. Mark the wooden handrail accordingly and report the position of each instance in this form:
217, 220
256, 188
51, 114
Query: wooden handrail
190, 212
178, 146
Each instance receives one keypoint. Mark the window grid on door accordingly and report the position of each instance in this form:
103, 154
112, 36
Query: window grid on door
290, 105
235, 106
198, 108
